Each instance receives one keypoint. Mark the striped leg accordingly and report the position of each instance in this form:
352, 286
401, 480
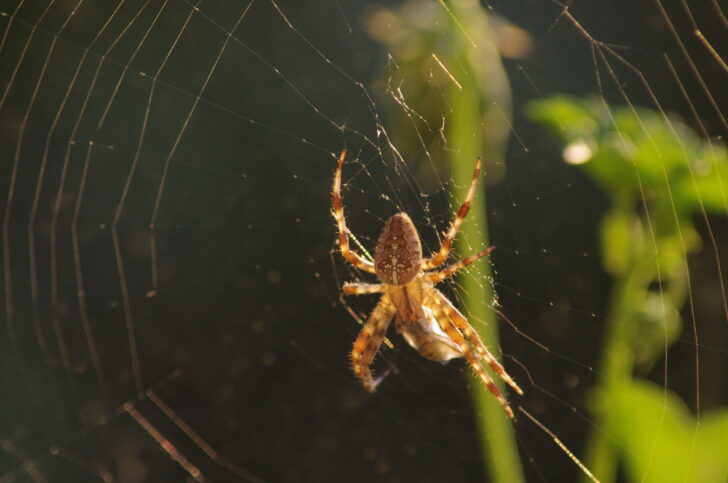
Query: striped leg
441, 275
462, 324
338, 211
369, 341
362, 288
440, 257
449, 328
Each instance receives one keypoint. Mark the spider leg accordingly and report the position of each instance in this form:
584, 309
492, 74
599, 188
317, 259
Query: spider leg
439, 276
452, 331
369, 341
462, 324
440, 257
338, 211
362, 288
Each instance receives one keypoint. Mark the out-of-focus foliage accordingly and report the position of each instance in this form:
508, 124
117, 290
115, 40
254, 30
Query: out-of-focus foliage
438, 52
639, 157
660, 177
660, 441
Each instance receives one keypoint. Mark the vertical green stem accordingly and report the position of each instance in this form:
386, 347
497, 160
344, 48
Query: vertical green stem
466, 138
616, 363
496, 432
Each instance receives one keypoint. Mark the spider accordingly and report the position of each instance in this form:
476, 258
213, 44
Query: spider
427, 320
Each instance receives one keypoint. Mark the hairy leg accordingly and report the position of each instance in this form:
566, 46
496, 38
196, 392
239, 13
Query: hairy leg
441, 255
338, 211
451, 330
462, 324
441, 275
369, 341
350, 288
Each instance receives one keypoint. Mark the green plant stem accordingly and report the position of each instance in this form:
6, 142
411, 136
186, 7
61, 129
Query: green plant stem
465, 135
497, 438
617, 361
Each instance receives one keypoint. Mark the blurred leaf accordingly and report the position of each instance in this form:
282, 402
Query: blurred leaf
619, 241
566, 117
660, 441
641, 156
710, 184
658, 324
641, 150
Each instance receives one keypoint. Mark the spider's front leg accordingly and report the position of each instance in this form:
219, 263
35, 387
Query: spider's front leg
352, 288
338, 211
441, 255
439, 276
369, 341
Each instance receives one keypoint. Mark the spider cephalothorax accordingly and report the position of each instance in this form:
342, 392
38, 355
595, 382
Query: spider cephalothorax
427, 320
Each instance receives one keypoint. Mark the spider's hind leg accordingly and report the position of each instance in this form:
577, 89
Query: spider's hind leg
452, 331
369, 341
462, 325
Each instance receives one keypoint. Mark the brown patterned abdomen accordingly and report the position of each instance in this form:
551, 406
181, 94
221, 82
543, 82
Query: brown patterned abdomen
398, 255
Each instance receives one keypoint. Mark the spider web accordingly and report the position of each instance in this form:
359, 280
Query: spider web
171, 303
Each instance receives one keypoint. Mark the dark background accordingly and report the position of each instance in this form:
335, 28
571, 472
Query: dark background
245, 337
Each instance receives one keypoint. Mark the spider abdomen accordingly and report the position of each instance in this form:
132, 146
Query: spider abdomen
426, 336
398, 254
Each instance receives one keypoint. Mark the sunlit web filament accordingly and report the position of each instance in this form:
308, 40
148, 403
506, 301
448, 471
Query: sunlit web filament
165, 444
560, 444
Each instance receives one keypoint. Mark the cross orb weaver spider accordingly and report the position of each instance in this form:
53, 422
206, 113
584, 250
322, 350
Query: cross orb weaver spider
427, 320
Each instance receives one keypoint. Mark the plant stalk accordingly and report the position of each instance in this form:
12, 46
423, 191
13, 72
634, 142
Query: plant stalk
617, 361
472, 106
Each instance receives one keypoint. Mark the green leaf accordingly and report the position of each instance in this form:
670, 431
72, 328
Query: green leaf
567, 116
658, 324
640, 149
619, 240
708, 183
661, 441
